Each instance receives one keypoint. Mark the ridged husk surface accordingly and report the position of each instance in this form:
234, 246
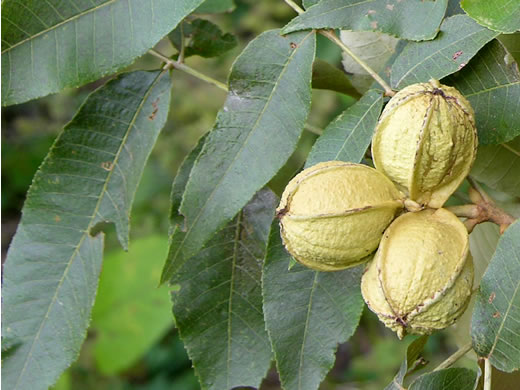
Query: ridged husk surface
332, 215
421, 277
426, 141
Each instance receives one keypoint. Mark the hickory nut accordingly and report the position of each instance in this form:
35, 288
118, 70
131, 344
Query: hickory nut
426, 141
421, 277
332, 215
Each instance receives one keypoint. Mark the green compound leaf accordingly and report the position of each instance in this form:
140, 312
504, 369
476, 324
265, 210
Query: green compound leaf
131, 313
348, 136
411, 362
458, 41
491, 83
498, 15
218, 307
498, 166
51, 45
256, 131
448, 379
412, 19
307, 314
495, 324
89, 176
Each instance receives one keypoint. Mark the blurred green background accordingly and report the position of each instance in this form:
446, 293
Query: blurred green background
132, 342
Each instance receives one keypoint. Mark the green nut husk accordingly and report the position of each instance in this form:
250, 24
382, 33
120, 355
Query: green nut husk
332, 215
421, 277
426, 141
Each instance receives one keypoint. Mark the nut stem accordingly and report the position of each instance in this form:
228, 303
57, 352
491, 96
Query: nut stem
483, 209
453, 358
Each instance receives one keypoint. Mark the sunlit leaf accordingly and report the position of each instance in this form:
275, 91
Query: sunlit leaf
215, 6
498, 15
130, 313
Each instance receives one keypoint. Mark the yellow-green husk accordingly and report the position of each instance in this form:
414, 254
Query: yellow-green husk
332, 215
421, 277
426, 141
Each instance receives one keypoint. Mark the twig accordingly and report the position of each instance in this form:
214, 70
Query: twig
332, 36
294, 6
453, 358
185, 68
484, 209
313, 129
487, 374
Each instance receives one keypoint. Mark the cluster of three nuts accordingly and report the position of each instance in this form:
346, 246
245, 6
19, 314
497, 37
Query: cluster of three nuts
334, 215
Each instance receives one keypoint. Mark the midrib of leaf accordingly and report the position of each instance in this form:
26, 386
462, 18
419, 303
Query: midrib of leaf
87, 231
356, 126
31, 37
492, 88
512, 150
434, 53
253, 129
231, 286
300, 368
505, 316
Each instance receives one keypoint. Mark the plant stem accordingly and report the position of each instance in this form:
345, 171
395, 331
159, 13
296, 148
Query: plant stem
487, 374
466, 211
313, 129
185, 68
332, 36
294, 6
453, 358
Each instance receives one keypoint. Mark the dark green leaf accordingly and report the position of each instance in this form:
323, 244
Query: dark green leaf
453, 8
215, 6
51, 45
491, 82
498, 166
348, 136
207, 40
448, 379
218, 307
307, 314
495, 326
327, 76
176, 219
413, 354
512, 44
130, 313
458, 41
256, 132
498, 15
412, 19
52, 268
